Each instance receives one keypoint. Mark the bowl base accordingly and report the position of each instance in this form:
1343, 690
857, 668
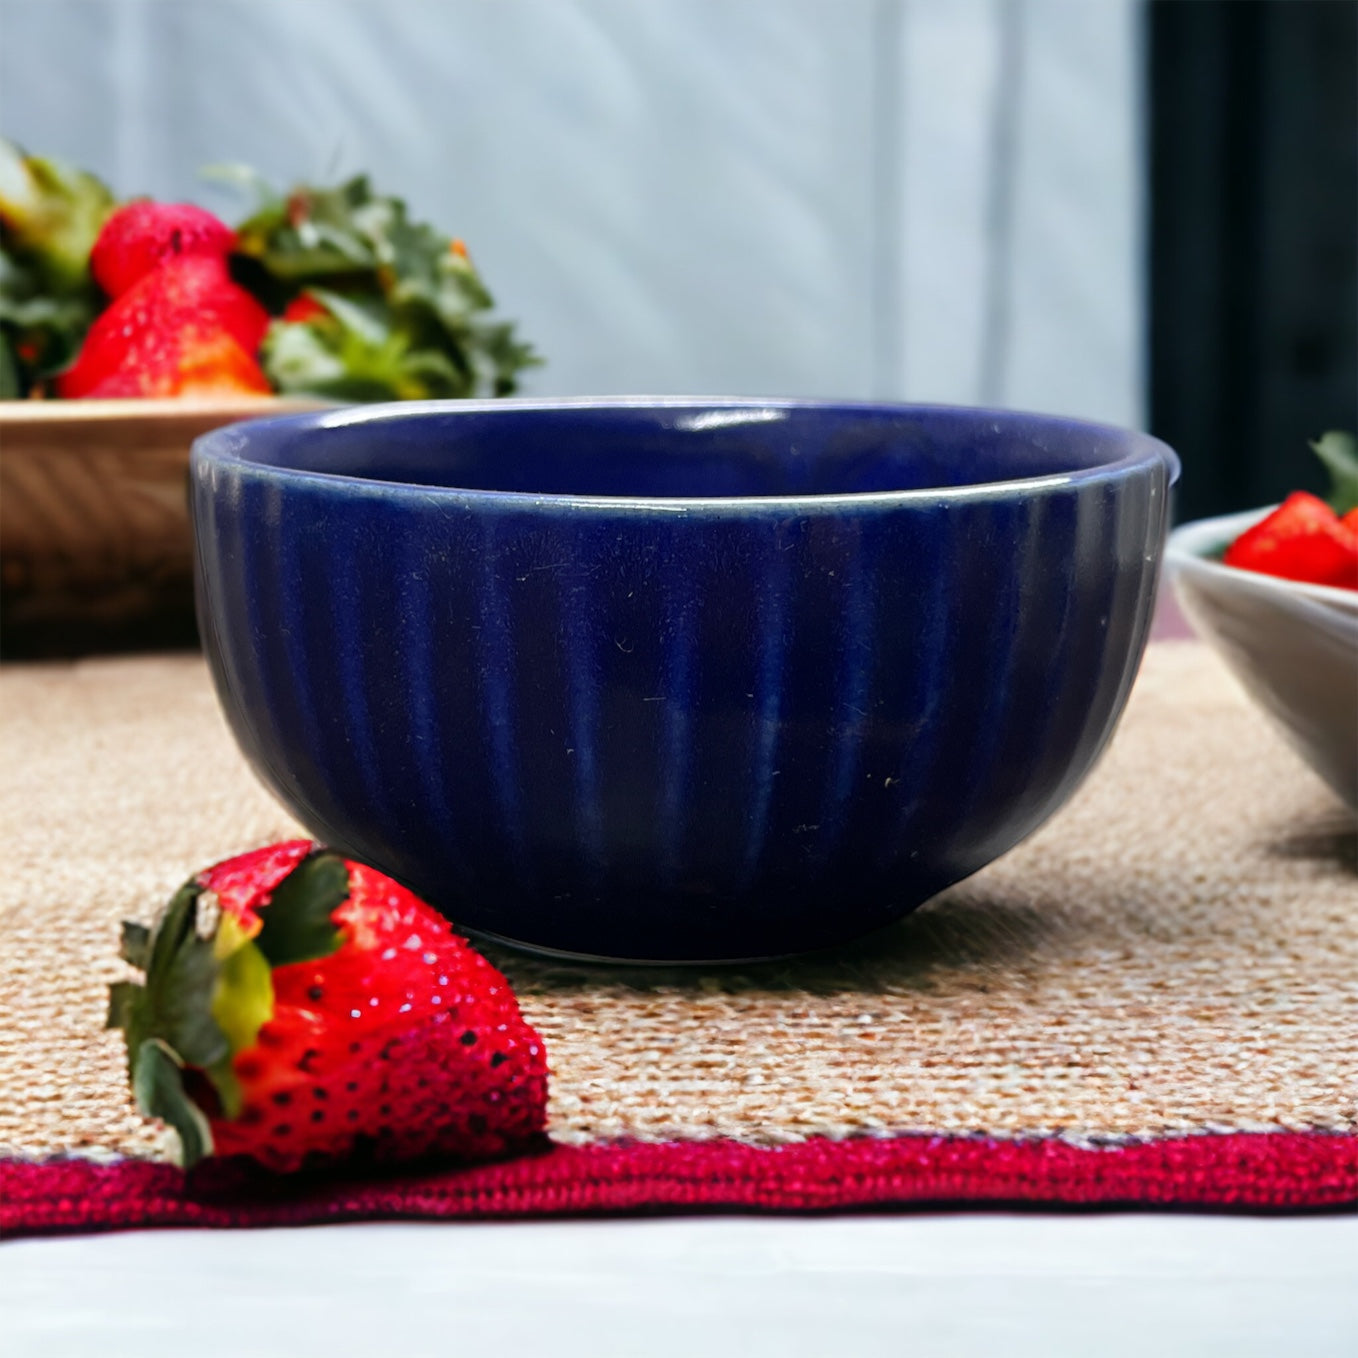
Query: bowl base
599, 959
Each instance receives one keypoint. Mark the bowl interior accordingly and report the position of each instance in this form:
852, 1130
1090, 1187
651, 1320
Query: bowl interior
686, 449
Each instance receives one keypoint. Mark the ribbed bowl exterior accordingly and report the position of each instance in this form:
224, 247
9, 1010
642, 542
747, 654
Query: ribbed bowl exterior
717, 731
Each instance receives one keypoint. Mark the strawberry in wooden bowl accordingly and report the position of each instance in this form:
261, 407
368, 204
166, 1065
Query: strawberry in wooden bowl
177, 324
127, 330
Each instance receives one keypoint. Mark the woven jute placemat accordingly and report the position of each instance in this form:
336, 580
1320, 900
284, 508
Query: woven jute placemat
1174, 954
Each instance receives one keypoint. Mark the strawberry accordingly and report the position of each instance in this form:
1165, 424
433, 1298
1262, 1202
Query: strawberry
302, 309
142, 235
185, 362
213, 364
1303, 539
299, 1008
160, 337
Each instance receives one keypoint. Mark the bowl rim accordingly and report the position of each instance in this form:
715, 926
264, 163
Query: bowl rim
1191, 547
227, 446
24, 414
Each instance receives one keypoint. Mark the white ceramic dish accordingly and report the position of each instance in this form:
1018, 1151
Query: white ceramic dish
1294, 647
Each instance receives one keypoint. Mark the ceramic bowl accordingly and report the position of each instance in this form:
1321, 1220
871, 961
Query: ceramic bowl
669, 679
1293, 647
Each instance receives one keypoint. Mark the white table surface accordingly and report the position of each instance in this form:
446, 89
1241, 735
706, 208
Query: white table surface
994, 1284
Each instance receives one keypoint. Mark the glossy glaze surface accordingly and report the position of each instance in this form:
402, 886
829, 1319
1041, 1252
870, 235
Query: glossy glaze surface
1294, 647
675, 680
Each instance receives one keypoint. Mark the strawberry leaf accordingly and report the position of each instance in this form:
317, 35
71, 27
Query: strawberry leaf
124, 1005
366, 322
181, 968
180, 1003
347, 245
11, 388
297, 923
407, 307
158, 1085
302, 358
208, 991
135, 945
172, 926
50, 215
299, 358
1338, 450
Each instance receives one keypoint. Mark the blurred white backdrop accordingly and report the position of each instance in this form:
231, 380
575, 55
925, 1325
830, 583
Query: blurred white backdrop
917, 199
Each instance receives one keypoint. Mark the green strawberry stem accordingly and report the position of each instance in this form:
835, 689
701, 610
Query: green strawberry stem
209, 989
297, 924
158, 1083
1338, 450
406, 315
50, 216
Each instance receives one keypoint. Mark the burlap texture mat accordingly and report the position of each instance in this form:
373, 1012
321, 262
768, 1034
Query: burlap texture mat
1177, 951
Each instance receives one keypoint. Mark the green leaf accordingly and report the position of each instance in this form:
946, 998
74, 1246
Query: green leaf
176, 920
298, 358
127, 1009
354, 354
50, 214
158, 1085
366, 322
135, 945
124, 1005
43, 324
181, 977
349, 246
208, 991
35, 312
431, 368
10, 386
243, 1000
180, 1007
407, 305
1338, 450
300, 264
297, 923
460, 287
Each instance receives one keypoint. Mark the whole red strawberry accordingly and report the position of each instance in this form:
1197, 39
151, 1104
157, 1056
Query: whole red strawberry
300, 1008
184, 329
141, 235
1303, 539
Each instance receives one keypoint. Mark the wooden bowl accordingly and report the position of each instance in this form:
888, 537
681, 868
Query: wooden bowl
95, 547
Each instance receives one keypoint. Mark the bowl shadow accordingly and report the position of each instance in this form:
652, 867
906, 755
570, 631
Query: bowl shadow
960, 932
1333, 840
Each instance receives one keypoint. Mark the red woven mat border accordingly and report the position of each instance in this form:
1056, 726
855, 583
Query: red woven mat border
1274, 1171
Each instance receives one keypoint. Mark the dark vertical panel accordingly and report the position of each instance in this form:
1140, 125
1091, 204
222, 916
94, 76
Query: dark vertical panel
1254, 240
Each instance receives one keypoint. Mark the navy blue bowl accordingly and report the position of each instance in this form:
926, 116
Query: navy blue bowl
673, 679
